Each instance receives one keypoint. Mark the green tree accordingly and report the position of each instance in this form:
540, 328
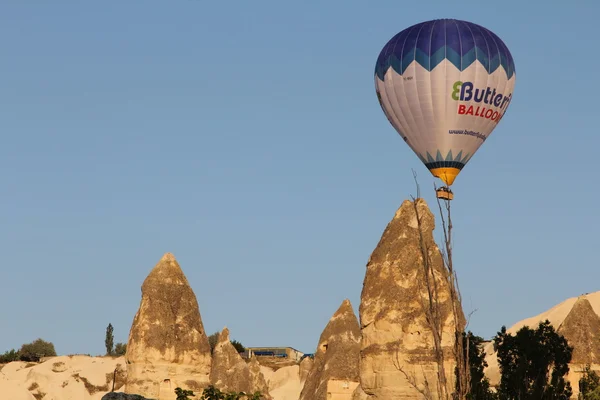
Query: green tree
35, 350
183, 394
533, 364
213, 393
120, 349
109, 340
589, 385
238, 346
9, 356
212, 341
480, 385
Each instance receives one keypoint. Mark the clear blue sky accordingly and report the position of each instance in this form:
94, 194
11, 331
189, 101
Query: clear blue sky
246, 138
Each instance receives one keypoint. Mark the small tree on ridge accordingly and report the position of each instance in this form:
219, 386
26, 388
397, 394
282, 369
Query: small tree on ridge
109, 340
120, 349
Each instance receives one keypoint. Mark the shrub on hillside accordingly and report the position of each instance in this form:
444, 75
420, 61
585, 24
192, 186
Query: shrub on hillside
9, 356
212, 341
213, 393
35, 350
120, 349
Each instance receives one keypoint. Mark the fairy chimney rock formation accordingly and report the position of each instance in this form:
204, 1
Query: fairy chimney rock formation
396, 339
581, 328
167, 344
335, 369
305, 367
258, 382
229, 371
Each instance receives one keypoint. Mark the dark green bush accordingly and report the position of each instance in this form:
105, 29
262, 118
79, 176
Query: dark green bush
35, 350
120, 349
213, 393
9, 356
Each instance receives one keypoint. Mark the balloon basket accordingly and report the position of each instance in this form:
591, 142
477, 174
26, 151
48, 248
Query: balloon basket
444, 193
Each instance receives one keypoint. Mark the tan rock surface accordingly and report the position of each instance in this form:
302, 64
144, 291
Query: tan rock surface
396, 339
306, 366
229, 371
581, 328
284, 383
167, 345
258, 382
359, 394
337, 357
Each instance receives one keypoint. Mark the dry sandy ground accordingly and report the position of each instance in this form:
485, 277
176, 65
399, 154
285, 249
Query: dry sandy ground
284, 383
61, 378
90, 378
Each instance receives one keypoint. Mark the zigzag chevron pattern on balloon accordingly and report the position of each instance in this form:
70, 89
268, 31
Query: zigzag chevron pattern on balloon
439, 161
460, 42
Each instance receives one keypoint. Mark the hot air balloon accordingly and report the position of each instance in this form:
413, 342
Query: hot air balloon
444, 85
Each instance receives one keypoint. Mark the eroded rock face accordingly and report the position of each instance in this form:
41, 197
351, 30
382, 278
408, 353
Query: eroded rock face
229, 371
257, 379
581, 328
306, 366
359, 394
167, 345
396, 338
284, 383
335, 368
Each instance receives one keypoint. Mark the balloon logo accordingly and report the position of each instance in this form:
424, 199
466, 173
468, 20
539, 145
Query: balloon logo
444, 85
